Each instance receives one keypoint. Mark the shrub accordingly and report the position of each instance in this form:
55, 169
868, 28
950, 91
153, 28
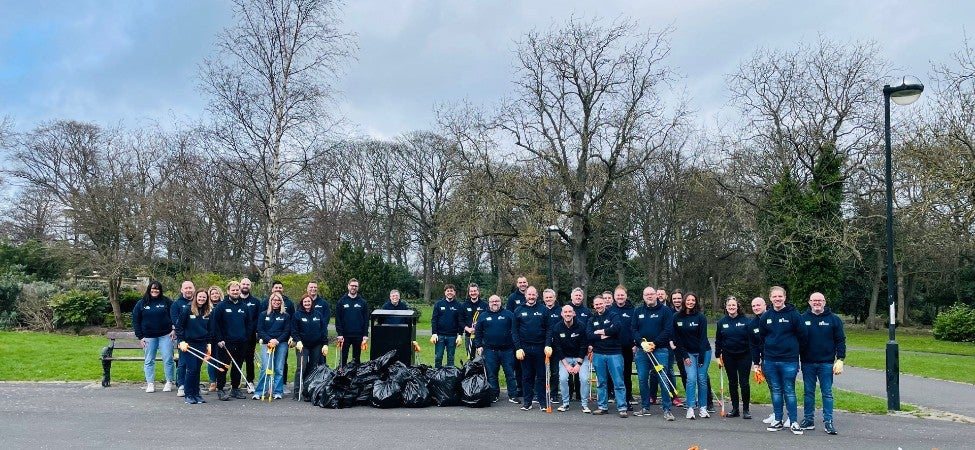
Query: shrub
10, 283
108, 320
127, 300
956, 324
34, 306
78, 308
8, 320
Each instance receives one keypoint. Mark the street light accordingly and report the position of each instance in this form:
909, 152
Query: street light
551, 275
904, 94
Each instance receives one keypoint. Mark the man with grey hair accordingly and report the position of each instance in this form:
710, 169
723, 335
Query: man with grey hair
394, 303
553, 314
578, 301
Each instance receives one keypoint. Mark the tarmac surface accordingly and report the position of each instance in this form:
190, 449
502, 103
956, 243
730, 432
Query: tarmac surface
83, 415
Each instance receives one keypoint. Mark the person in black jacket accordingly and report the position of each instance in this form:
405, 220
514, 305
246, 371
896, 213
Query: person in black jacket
652, 329
821, 357
529, 334
309, 329
231, 331
447, 326
783, 336
273, 331
154, 328
216, 296
492, 339
568, 339
395, 304
583, 314
352, 323
693, 349
603, 332
623, 308
193, 330
516, 299
731, 349
320, 304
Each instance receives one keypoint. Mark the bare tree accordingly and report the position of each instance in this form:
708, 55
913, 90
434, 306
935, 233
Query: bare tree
587, 113
271, 84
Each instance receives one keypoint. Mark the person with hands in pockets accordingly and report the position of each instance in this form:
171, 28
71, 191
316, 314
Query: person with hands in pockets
447, 327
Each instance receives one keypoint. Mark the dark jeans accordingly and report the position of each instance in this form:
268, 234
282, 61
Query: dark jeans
191, 365
353, 343
500, 359
312, 359
238, 350
533, 378
248, 359
737, 366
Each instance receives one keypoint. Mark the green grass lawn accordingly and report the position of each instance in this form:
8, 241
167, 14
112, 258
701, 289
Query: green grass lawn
913, 340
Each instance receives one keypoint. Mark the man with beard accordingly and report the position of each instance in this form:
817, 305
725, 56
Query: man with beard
253, 306
232, 331
446, 325
821, 357
529, 335
493, 341
603, 333
568, 339
473, 307
583, 315
352, 323
176, 311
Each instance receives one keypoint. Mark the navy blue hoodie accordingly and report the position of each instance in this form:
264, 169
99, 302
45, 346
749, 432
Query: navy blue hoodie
732, 335
569, 341
609, 322
531, 325
193, 328
309, 327
231, 322
274, 325
493, 330
755, 339
782, 334
690, 334
471, 308
626, 319
151, 319
352, 317
179, 306
253, 307
448, 318
401, 306
321, 305
825, 339
655, 324
583, 314
516, 299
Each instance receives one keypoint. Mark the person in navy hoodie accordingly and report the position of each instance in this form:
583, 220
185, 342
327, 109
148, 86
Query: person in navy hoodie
473, 307
529, 334
782, 334
231, 331
553, 312
193, 330
320, 304
623, 308
693, 350
583, 314
181, 304
273, 331
732, 350
652, 329
394, 303
216, 296
154, 328
821, 357
352, 322
569, 341
516, 299
492, 339
603, 332
309, 329
447, 327
253, 306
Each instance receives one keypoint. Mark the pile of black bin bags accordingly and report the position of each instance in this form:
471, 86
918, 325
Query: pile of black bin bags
385, 384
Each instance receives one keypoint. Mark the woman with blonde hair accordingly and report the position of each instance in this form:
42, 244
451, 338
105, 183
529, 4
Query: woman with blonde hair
273, 330
193, 330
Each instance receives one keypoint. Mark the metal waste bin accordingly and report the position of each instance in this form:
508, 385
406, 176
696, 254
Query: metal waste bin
393, 329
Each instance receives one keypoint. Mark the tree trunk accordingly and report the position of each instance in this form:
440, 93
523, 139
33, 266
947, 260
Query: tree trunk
875, 293
427, 273
114, 285
901, 307
580, 248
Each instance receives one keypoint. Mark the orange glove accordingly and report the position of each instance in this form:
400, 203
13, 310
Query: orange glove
364, 346
759, 376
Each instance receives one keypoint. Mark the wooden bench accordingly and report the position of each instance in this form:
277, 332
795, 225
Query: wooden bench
119, 340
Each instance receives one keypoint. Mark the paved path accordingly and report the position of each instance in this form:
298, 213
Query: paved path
948, 396
63, 415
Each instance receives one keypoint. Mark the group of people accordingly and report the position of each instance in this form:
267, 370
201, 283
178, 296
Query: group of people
519, 337
226, 332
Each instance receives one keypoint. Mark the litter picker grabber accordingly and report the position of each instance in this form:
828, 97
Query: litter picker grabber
664, 379
416, 349
548, 385
268, 378
241, 372
721, 373
593, 382
206, 357
470, 342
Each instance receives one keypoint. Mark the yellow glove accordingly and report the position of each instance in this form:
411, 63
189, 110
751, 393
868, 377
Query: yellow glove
838, 367
520, 354
300, 346
646, 346
183, 346
433, 339
459, 341
548, 351
325, 350
721, 361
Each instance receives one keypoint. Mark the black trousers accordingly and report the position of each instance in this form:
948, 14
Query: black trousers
737, 366
238, 350
249, 358
353, 343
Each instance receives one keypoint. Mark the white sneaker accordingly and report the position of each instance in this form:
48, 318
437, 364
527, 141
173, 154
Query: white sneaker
179, 392
586, 410
770, 419
150, 387
787, 423
250, 390
168, 387
703, 413
690, 413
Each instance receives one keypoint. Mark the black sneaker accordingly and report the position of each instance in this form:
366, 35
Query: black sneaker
527, 407
796, 429
807, 424
623, 415
828, 426
777, 426
236, 393
222, 395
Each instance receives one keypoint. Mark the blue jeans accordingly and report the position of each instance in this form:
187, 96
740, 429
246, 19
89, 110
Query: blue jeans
444, 343
495, 359
810, 373
609, 366
276, 381
697, 379
533, 375
165, 346
781, 377
649, 378
211, 372
564, 379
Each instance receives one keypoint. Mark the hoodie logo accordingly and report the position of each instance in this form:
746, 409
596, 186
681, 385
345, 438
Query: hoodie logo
357, 305
345, 305
808, 323
443, 308
783, 320
315, 319
680, 324
823, 323
304, 319
229, 310
487, 318
724, 325
561, 335
640, 316
768, 321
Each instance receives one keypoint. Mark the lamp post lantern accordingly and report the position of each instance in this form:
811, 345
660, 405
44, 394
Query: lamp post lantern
904, 94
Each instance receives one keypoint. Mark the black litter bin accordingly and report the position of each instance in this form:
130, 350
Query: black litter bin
393, 330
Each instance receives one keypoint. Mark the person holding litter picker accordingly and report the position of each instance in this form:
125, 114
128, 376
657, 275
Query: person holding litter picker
652, 329
216, 296
231, 331
309, 329
193, 333
732, 350
273, 331
154, 328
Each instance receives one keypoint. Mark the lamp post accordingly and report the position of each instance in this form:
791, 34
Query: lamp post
904, 94
551, 275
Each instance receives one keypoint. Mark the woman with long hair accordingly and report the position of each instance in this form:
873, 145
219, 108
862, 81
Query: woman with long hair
155, 330
309, 329
732, 350
216, 296
193, 330
273, 330
694, 350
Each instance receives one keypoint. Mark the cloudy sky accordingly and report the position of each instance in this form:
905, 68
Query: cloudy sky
126, 61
